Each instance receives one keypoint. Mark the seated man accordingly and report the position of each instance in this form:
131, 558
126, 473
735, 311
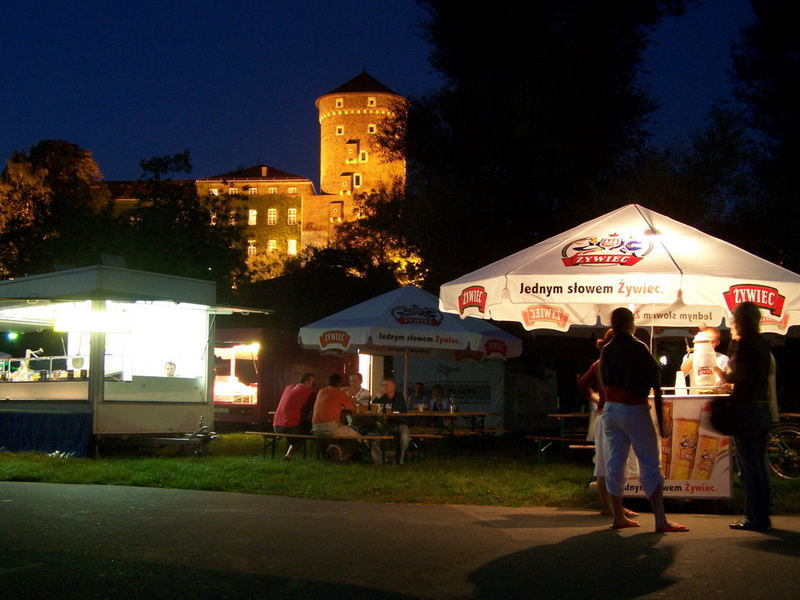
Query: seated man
398, 425
326, 422
294, 411
418, 396
687, 366
356, 391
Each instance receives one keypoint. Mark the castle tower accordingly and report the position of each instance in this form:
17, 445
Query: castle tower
349, 118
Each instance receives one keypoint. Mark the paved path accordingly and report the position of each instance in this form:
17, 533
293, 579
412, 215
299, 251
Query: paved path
71, 541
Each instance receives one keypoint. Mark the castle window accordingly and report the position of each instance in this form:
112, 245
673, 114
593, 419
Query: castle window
292, 217
272, 245
272, 190
252, 216
357, 180
363, 156
292, 190
339, 102
272, 216
372, 128
232, 191
214, 192
292, 247
340, 130
251, 248
371, 101
252, 191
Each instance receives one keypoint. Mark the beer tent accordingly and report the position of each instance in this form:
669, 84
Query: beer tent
407, 322
668, 273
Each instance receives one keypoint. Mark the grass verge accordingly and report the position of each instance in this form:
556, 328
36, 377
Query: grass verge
509, 477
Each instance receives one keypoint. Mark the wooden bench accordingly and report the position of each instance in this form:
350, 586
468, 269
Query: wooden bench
543, 442
271, 439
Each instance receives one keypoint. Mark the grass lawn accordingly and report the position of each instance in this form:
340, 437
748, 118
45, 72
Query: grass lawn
509, 476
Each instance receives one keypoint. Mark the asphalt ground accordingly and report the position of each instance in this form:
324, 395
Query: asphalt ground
74, 541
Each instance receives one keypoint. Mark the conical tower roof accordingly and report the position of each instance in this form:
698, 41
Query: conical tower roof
363, 82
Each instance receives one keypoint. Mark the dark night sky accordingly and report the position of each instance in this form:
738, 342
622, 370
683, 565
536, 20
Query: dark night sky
235, 82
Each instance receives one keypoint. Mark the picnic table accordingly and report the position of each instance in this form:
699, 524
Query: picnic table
474, 419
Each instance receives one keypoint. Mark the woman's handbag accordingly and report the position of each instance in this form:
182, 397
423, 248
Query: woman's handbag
727, 415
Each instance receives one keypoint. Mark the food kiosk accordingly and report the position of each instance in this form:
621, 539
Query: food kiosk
135, 357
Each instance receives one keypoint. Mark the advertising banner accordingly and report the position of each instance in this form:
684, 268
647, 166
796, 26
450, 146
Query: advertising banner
695, 458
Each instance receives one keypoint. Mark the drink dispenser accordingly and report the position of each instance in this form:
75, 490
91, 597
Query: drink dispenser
704, 361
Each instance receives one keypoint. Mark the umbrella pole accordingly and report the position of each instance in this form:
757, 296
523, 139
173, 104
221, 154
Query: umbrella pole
405, 375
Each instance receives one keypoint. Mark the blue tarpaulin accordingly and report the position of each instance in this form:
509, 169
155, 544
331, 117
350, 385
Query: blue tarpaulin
45, 432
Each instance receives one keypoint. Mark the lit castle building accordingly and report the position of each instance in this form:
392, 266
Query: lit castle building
284, 212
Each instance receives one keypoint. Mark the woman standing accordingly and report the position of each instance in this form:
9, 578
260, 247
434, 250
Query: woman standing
589, 386
749, 376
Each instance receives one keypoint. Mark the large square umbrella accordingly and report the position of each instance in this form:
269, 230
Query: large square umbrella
408, 321
668, 273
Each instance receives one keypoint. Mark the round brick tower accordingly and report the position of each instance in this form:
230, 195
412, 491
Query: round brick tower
349, 118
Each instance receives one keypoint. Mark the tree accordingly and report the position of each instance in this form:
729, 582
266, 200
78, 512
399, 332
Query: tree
766, 72
540, 108
697, 183
54, 208
173, 230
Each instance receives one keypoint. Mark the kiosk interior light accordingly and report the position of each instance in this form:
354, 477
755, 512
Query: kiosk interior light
85, 320
12, 335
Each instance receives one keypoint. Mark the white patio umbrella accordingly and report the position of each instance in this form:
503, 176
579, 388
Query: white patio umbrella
668, 273
407, 321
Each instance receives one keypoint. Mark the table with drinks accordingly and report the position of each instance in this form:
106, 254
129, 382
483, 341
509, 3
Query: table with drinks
474, 420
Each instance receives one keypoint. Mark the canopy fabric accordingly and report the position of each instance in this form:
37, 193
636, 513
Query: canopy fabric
109, 283
407, 320
668, 273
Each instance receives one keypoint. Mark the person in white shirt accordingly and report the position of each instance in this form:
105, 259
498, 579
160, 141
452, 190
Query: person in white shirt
722, 360
357, 393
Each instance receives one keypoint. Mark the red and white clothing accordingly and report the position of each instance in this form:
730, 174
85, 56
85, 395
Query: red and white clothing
294, 406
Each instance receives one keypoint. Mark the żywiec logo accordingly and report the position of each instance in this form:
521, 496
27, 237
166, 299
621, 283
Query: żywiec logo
761, 295
334, 338
613, 249
495, 347
472, 297
552, 314
417, 315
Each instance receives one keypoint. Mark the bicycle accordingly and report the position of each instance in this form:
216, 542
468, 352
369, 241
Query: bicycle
783, 450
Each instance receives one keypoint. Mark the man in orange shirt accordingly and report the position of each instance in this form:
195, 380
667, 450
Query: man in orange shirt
326, 422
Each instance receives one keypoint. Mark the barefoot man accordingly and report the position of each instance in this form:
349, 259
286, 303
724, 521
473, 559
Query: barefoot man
627, 373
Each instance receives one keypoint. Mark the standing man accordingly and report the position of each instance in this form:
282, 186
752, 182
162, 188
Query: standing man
326, 422
293, 412
627, 373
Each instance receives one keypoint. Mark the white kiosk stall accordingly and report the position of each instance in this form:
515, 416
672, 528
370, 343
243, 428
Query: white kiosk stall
136, 357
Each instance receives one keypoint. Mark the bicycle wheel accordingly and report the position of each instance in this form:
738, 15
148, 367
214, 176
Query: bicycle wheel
783, 451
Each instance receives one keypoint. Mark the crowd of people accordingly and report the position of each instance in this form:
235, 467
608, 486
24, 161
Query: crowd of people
618, 385
333, 413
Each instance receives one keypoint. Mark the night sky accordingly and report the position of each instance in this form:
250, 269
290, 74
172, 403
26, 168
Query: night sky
235, 82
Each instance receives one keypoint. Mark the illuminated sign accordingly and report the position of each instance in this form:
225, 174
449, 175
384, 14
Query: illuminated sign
612, 249
472, 297
334, 338
552, 314
761, 295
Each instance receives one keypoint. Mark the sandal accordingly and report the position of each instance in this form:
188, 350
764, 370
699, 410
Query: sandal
672, 528
625, 525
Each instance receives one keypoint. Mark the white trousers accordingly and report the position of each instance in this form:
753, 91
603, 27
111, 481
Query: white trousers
601, 452
627, 426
